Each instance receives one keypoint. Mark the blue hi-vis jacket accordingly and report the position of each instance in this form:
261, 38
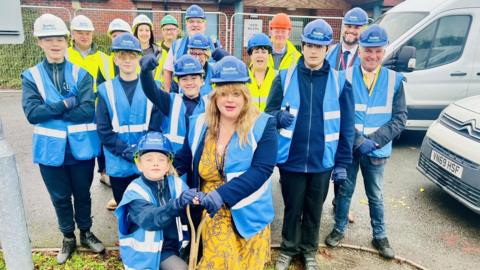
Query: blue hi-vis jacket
141, 249
333, 57
50, 137
331, 113
129, 122
375, 110
207, 87
174, 125
253, 213
180, 48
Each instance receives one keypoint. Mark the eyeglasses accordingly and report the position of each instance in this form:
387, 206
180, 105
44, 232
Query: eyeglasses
172, 29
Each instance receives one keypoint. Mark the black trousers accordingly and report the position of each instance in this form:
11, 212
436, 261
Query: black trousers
120, 184
303, 195
64, 182
101, 161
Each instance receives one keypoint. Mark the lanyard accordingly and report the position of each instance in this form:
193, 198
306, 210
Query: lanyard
372, 85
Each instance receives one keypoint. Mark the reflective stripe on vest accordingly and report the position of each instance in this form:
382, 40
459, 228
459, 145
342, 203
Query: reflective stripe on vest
331, 114
82, 138
374, 110
106, 66
289, 59
260, 95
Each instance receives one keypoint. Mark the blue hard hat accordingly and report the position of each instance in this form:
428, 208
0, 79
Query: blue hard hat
373, 36
126, 42
199, 41
230, 69
318, 32
187, 65
356, 16
258, 40
219, 53
154, 141
194, 11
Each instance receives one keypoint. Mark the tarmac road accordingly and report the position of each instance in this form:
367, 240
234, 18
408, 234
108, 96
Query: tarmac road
424, 224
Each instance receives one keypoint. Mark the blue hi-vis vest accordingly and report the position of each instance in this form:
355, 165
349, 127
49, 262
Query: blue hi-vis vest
253, 213
50, 137
373, 111
141, 249
206, 89
333, 57
174, 126
331, 113
129, 122
179, 48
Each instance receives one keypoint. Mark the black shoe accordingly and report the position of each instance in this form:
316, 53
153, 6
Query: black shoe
283, 262
333, 239
68, 247
383, 248
311, 262
89, 240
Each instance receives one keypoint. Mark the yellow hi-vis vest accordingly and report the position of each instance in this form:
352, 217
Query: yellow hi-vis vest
159, 70
260, 94
91, 63
290, 58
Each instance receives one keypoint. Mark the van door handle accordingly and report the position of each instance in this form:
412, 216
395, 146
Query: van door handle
458, 74
478, 73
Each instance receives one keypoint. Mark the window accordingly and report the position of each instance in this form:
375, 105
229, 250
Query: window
397, 23
441, 42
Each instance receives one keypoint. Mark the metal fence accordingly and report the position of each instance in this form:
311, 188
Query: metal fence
233, 33
244, 25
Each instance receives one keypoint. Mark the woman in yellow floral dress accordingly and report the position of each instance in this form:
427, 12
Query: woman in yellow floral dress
230, 153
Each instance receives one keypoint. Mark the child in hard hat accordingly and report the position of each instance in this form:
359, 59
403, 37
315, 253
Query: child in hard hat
123, 114
199, 47
58, 99
195, 22
259, 48
176, 108
149, 216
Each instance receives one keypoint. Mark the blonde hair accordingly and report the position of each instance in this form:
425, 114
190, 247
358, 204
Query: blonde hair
171, 169
246, 118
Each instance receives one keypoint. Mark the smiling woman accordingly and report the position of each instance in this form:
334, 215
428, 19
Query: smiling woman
232, 150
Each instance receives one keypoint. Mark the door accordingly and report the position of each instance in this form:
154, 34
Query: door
474, 85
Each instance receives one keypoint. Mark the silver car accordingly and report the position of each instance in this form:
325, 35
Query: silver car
450, 154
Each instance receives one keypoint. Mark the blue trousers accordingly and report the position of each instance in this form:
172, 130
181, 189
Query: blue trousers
372, 172
64, 182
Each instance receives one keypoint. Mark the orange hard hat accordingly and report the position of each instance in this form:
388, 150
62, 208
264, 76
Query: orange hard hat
281, 20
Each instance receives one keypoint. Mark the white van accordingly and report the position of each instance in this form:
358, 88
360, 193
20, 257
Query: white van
446, 36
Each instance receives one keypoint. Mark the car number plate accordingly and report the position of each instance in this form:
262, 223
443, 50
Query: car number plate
446, 164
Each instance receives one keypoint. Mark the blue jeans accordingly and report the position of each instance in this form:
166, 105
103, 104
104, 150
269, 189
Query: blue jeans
372, 172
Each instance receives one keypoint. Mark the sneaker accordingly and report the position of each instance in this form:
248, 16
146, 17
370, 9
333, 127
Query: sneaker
333, 239
111, 205
283, 262
68, 247
350, 217
311, 262
383, 248
89, 240
104, 179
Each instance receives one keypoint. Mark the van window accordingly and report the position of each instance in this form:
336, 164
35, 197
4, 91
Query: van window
441, 42
397, 23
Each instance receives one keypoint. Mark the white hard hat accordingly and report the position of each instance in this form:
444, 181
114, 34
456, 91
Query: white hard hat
119, 25
141, 19
81, 23
49, 25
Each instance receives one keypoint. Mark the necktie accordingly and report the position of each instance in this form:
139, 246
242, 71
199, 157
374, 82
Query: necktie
345, 60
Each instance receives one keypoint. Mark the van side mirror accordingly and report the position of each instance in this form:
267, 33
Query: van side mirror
403, 61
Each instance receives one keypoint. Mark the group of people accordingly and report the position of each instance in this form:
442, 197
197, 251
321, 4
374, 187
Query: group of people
183, 124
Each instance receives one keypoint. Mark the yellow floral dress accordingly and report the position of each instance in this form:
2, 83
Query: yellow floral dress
223, 247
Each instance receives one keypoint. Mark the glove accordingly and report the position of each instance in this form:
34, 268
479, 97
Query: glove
148, 62
212, 202
339, 175
367, 146
185, 198
70, 102
129, 153
285, 119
